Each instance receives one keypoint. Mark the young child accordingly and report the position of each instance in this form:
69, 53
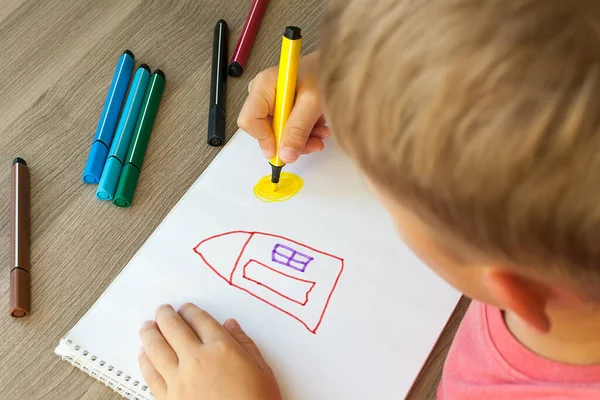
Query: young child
477, 125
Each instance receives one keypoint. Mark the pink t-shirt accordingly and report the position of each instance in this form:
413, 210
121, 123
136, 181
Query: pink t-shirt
487, 362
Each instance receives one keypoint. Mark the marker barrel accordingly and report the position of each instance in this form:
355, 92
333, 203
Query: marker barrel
108, 120
120, 145
246, 41
20, 289
139, 142
218, 86
289, 60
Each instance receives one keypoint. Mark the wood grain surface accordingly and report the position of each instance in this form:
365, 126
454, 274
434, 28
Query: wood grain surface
57, 61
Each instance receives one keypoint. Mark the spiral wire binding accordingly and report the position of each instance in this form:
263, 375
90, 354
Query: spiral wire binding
102, 371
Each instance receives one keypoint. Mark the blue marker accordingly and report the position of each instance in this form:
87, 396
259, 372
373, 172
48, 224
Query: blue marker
120, 145
108, 119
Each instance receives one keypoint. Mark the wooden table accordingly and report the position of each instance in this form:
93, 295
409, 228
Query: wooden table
57, 60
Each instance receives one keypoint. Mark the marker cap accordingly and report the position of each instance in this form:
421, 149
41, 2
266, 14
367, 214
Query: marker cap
19, 160
216, 126
235, 69
110, 179
95, 163
126, 187
293, 32
20, 303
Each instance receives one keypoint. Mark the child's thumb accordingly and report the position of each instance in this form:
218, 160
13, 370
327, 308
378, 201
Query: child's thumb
235, 330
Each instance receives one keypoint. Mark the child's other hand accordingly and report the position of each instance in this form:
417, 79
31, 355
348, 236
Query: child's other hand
188, 355
305, 129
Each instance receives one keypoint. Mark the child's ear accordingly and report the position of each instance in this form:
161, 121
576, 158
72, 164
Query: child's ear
521, 295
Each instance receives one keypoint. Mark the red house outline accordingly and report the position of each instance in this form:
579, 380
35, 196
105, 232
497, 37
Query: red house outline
229, 279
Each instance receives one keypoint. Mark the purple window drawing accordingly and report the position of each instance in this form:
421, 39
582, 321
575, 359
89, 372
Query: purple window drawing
289, 257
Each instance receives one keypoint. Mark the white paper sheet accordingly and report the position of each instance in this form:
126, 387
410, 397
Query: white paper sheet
354, 315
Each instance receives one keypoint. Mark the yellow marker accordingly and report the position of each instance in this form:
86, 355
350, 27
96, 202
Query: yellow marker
286, 92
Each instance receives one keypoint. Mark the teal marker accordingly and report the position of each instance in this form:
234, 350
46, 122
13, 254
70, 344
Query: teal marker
139, 142
120, 145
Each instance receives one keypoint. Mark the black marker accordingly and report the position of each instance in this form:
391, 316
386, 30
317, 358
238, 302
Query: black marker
216, 115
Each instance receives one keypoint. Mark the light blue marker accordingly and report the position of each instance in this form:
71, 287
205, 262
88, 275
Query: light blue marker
108, 119
120, 145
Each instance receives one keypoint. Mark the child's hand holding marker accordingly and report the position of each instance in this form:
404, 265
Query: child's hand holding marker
188, 355
305, 130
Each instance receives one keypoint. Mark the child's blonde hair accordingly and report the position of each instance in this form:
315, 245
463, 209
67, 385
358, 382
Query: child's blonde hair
482, 116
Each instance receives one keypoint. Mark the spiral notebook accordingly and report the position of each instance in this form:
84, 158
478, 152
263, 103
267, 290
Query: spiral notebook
339, 307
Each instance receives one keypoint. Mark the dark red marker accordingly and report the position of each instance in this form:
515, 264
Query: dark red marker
246, 40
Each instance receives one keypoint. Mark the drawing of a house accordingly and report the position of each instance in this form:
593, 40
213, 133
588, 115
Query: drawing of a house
295, 279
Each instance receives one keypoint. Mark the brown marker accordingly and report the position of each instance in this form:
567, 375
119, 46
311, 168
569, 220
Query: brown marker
20, 288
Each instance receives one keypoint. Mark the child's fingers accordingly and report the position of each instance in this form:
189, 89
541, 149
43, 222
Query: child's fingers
321, 131
254, 116
202, 323
176, 331
235, 330
266, 79
304, 115
155, 381
157, 349
314, 144
257, 127
321, 121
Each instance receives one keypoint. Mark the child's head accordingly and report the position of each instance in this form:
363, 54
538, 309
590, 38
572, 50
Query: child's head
478, 124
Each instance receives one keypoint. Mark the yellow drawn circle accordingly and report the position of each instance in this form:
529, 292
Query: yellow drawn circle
289, 184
